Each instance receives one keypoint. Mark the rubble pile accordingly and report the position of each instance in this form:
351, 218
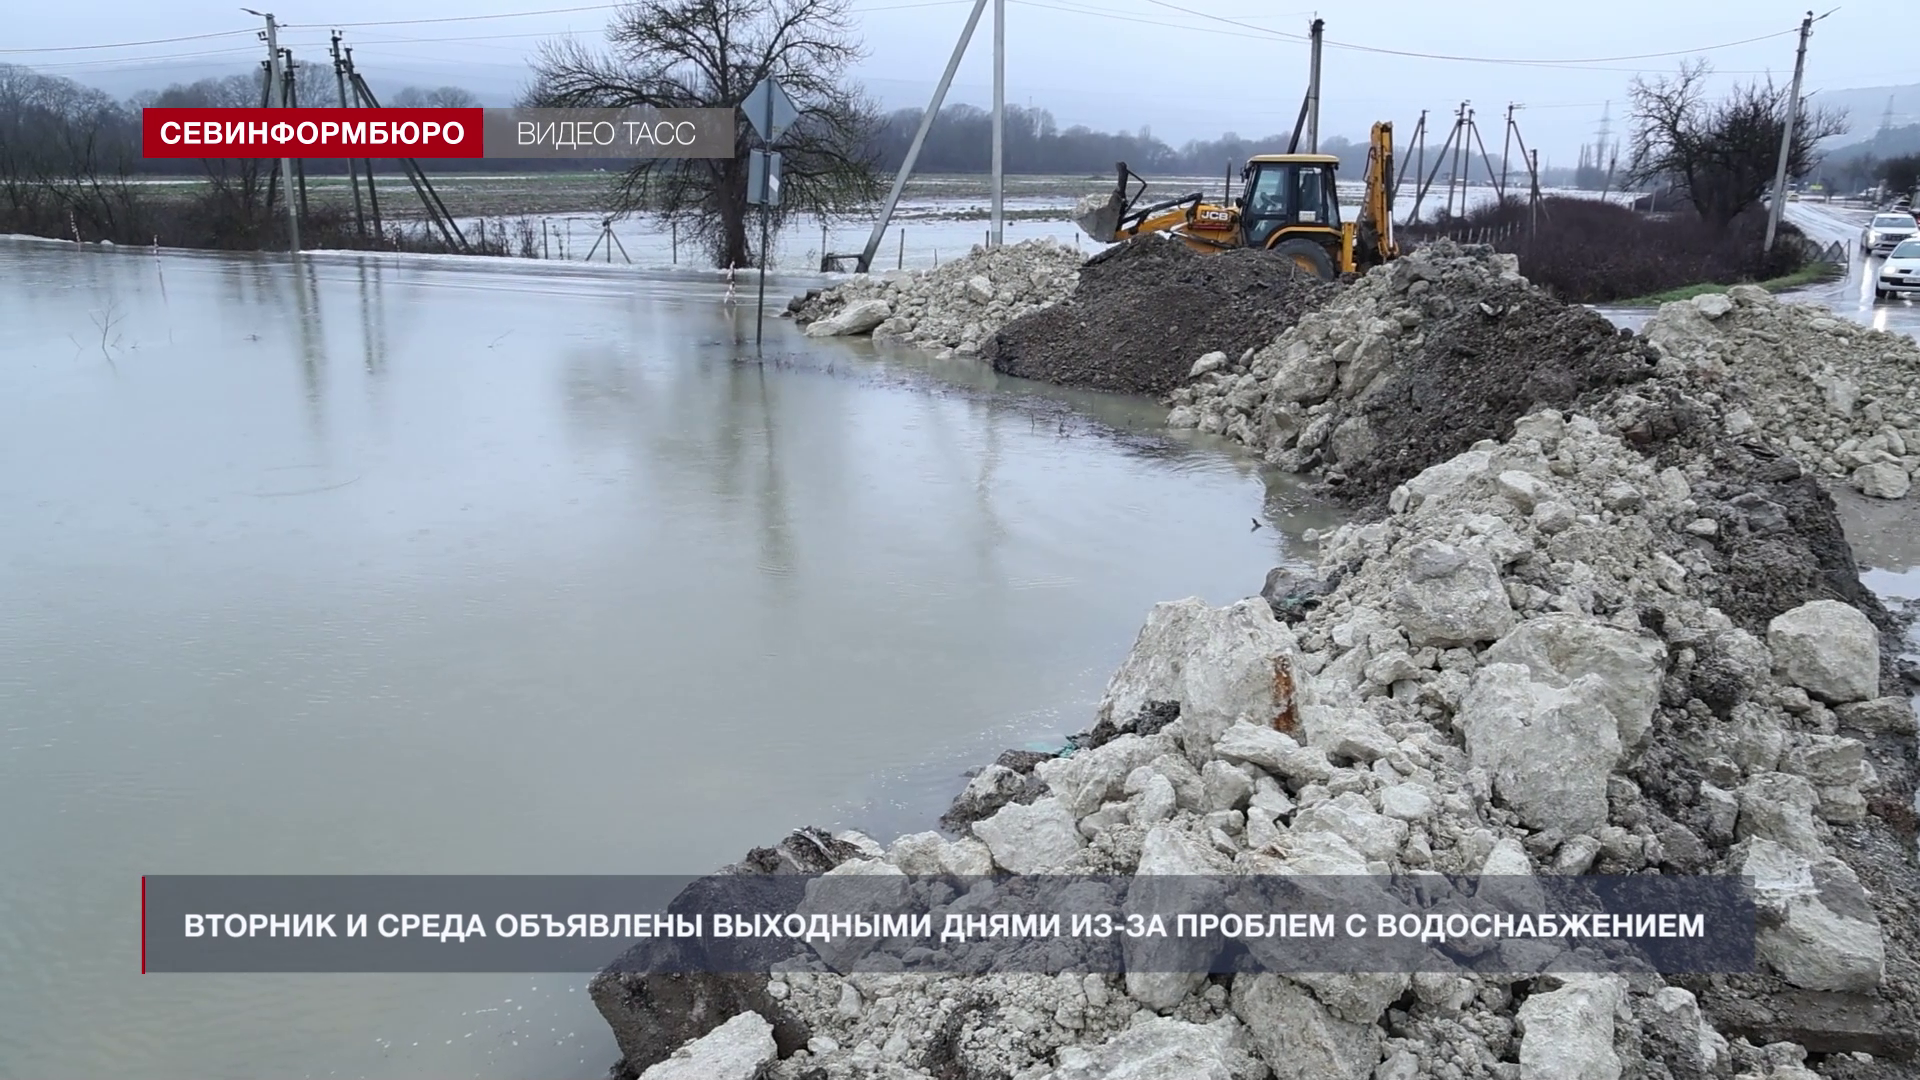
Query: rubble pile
1409, 365
1144, 308
1617, 635
1843, 398
1517, 669
950, 309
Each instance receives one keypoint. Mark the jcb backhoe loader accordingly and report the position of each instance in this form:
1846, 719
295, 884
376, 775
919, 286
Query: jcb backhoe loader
1287, 204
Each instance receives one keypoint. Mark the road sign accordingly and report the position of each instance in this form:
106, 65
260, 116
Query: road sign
763, 178
770, 110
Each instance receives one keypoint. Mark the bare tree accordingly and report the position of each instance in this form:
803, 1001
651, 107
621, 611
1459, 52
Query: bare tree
1721, 153
711, 53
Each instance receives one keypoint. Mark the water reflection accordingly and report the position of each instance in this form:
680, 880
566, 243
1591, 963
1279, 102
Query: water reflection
572, 583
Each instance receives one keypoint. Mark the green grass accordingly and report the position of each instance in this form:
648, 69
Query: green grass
1811, 274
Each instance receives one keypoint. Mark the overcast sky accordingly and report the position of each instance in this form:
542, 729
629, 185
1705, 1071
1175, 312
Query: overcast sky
1184, 68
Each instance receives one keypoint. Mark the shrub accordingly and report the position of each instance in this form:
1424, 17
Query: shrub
1592, 251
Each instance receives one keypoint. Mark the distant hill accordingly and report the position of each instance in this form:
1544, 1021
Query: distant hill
1867, 108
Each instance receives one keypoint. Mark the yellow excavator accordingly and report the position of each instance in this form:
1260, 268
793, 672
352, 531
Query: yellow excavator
1287, 205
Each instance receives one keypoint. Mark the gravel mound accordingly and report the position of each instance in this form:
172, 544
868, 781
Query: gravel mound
950, 309
1534, 599
1146, 310
1620, 638
1844, 398
1408, 366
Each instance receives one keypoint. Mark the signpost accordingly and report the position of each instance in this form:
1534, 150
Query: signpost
771, 112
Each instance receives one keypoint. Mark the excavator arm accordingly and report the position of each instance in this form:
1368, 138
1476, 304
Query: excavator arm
1119, 218
1376, 244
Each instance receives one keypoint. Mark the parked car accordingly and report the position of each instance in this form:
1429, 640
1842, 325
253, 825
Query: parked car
1886, 231
1900, 274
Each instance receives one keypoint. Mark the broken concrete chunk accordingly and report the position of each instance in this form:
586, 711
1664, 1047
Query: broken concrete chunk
858, 317
1817, 926
1227, 787
1568, 1033
736, 1050
1274, 752
1558, 649
1162, 1049
1779, 807
1881, 480
1177, 872
1889, 715
1548, 750
1451, 597
1032, 838
1828, 649
1088, 778
1219, 664
1297, 1037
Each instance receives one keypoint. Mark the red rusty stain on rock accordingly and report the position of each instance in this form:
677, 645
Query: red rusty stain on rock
1286, 717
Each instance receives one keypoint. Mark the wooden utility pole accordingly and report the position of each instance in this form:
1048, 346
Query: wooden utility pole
1786, 135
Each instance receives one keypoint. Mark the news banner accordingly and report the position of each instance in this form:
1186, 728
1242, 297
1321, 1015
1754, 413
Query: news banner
886, 920
438, 133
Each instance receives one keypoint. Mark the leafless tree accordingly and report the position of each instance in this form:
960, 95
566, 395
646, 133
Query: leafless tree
1721, 153
711, 53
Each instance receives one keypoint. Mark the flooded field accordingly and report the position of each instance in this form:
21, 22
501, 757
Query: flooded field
369, 564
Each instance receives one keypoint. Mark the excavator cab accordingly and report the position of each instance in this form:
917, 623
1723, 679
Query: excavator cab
1289, 205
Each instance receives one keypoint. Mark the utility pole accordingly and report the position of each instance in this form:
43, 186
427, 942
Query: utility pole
1506, 150
353, 170
1786, 135
1313, 87
999, 119
920, 137
286, 164
1533, 199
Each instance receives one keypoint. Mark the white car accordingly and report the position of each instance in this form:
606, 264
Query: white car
1885, 232
1901, 272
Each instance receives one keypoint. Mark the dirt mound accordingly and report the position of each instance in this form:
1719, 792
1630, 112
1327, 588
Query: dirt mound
1143, 312
1410, 365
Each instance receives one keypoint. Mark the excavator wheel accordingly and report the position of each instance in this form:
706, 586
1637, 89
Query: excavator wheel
1308, 256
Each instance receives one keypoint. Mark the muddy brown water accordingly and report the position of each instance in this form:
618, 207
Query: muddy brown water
380, 565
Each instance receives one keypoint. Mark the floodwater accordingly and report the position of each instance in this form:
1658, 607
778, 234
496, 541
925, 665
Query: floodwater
375, 564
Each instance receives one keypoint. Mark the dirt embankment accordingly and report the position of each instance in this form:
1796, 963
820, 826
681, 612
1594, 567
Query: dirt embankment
1145, 311
1622, 635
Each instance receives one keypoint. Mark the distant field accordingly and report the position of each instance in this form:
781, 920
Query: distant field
513, 195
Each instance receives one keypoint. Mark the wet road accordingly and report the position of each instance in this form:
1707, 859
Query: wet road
386, 565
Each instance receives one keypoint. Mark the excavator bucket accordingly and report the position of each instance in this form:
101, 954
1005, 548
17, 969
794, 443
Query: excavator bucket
1099, 215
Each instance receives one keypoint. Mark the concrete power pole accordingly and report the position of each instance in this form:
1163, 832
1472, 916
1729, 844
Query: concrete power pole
999, 118
286, 164
1313, 88
353, 172
1786, 135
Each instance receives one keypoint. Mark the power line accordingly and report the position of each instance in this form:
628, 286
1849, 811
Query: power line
132, 44
1556, 63
453, 18
1144, 22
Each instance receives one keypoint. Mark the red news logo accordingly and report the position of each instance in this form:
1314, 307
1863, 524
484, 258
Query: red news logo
313, 133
